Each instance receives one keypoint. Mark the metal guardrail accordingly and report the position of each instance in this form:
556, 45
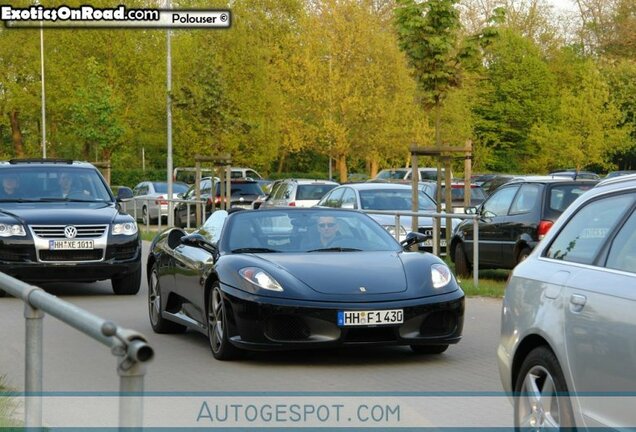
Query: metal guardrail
129, 346
475, 219
170, 201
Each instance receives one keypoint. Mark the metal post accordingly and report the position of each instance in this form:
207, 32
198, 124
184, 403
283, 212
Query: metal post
228, 187
34, 319
43, 92
169, 118
188, 215
436, 225
147, 215
397, 227
131, 388
476, 252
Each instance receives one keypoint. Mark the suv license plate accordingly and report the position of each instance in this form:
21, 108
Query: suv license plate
70, 244
370, 318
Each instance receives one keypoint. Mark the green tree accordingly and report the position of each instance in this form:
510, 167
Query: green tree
517, 91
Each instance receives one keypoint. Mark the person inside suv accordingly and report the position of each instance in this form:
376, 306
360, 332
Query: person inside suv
70, 186
10, 186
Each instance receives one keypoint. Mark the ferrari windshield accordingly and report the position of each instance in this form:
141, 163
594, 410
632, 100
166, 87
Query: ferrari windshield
300, 230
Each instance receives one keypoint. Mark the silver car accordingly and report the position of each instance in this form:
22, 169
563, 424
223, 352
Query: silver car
568, 332
150, 199
388, 197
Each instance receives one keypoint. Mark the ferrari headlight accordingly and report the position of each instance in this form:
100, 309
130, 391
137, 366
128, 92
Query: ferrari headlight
440, 275
391, 230
128, 228
260, 278
7, 230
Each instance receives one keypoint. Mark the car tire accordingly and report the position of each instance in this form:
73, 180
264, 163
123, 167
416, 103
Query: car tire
2, 293
159, 324
222, 348
462, 268
540, 371
429, 349
128, 284
523, 254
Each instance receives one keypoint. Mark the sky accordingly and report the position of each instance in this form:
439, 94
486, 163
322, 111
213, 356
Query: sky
563, 4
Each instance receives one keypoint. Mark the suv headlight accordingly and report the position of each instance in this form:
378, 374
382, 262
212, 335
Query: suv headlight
127, 228
11, 230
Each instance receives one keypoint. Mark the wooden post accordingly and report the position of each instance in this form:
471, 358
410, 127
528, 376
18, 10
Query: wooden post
467, 172
197, 193
415, 176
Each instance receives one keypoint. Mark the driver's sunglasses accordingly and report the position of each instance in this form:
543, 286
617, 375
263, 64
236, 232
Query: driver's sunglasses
327, 225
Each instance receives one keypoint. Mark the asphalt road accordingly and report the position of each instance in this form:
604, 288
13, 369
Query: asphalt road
183, 363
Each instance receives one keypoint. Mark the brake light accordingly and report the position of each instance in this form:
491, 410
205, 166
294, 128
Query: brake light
160, 200
544, 227
292, 204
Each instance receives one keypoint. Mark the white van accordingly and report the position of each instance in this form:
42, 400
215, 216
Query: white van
397, 174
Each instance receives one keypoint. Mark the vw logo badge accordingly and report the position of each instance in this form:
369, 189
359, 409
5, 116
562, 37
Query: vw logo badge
70, 232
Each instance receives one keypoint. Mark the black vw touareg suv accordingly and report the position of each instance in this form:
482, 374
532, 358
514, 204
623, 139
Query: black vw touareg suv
59, 221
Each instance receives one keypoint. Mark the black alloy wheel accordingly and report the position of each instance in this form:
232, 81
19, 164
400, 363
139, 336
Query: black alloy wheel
222, 348
462, 268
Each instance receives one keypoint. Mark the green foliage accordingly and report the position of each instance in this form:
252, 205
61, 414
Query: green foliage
517, 92
131, 177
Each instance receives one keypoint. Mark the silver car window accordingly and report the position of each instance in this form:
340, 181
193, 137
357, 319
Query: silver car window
586, 232
622, 253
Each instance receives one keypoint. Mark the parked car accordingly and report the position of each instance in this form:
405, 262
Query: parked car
243, 193
477, 194
619, 173
490, 185
49, 235
391, 197
150, 199
246, 173
255, 280
568, 331
405, 174
513, 220
576, 175
298, 193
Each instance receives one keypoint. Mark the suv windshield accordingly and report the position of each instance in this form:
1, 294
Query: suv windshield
38, 183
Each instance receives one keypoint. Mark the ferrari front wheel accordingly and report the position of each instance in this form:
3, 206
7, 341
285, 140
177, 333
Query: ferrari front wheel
222, 348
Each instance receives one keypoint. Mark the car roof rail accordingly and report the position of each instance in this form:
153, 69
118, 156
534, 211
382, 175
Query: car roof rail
614, 180
30, 161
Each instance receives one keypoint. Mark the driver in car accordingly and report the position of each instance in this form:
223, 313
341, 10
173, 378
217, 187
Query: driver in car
327, 230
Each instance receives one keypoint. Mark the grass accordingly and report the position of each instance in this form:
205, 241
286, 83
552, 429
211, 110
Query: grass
8, 409
492, 283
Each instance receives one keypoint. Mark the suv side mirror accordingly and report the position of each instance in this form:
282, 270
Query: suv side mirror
124, 194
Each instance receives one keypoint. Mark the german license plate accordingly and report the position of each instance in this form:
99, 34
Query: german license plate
429, 243
70, 244
370, 318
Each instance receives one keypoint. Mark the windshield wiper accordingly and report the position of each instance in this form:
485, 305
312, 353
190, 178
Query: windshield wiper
254, 250
19, 200
67, 200
336, 249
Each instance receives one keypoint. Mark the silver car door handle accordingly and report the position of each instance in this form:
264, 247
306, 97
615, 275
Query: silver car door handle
577, 301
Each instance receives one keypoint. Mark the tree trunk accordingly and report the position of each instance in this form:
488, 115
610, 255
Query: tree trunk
281, 163
374, 166
342, 168
16, 134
